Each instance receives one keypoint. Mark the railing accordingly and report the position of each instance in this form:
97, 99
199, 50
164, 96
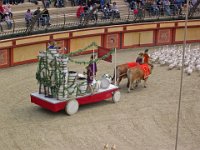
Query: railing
62, 21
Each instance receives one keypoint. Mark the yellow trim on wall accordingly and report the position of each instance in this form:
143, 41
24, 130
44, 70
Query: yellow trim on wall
27, 52
115, 29
179, 34
88, 32
80, 43
165, 25
192, 23
32, 40
131, 38
5, 44
59, 36
140, 27
146, 37
192, 34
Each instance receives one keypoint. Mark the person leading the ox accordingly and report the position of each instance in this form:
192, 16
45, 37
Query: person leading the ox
91, 72
146, 57
139, 59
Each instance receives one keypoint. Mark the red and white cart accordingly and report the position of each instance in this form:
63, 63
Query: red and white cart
71, 105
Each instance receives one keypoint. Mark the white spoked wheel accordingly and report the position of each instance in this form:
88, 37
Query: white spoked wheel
116, 96
71, 107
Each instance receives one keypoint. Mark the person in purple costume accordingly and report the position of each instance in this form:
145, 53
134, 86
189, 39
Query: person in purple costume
91, 72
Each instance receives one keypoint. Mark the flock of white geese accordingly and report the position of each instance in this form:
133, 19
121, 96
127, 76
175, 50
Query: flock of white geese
172, 57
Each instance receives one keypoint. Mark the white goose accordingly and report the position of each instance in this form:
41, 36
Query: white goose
172, 56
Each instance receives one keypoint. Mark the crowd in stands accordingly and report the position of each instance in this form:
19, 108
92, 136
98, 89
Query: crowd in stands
92, 7
84, 10
160, 7
6, 15
108, 10
42, 17
14, 2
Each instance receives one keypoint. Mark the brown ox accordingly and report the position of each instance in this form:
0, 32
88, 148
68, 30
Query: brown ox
121, 71
140, 72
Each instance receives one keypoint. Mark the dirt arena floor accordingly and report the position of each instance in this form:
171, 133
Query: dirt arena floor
144, 119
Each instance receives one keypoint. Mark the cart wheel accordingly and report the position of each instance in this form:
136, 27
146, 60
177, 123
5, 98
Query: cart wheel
116, 96
71, 107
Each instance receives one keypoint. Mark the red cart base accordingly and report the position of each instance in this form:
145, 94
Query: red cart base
71, 105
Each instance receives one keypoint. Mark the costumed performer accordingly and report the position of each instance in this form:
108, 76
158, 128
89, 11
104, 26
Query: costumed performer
91, 72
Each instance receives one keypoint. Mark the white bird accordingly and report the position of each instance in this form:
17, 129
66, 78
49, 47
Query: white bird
105, 147
171, 66
113, 147
179, 66
172, 57
189, 71
198, 67
162, 62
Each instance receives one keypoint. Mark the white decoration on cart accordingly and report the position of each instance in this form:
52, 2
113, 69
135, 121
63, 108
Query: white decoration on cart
97, 86
105, 81
82, 85
53, 73
72, 75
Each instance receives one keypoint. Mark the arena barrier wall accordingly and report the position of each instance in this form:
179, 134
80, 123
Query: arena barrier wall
25, 49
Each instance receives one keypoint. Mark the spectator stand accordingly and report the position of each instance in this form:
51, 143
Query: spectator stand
65, 17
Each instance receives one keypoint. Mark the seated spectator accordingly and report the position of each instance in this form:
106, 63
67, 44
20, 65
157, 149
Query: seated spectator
59, 3
1, 28
106, 11
166, 4
148, 7
178, 4
2, 13
34, 1
140, 14
8, 10
193, 2
37, 12
133, 5
80, 11
86, 8
102, 3
114, 7
93, 10
155, 9
160, 6
115, 10
45, 17
47, 3
135, 9
28, 17
5, 2
95, 16
18, 1
143, 2
8, 21
78, 2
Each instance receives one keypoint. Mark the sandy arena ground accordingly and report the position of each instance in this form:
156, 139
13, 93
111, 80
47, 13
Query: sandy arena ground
144, 119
